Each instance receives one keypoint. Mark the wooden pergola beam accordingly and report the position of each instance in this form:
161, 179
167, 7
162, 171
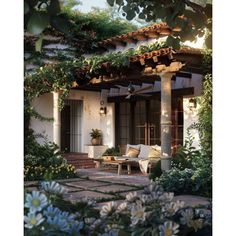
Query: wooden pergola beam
174, 93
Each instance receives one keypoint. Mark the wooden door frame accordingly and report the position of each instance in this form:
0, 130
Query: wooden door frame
131, 137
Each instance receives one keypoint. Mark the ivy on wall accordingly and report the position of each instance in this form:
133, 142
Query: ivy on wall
204, 124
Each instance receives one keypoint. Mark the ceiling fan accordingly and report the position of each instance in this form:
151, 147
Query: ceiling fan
131, 91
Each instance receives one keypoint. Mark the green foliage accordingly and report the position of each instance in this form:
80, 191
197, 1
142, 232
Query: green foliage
114, 151
60, 76
83, 29
204, 125
97, 23
196, 18
177, 181
197, 180
44, 162
39, 14
96, 133
191, 173
116, 60
156, 172
52, 77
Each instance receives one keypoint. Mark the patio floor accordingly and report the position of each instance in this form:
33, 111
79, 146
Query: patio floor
104, 186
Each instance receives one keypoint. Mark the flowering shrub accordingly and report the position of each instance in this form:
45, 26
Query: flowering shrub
63, 171
45, 162
42, 217
151, 212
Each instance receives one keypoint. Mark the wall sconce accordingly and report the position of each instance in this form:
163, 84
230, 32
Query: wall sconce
192, 103
103, 109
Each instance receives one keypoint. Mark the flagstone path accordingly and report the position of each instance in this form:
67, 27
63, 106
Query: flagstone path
107, 186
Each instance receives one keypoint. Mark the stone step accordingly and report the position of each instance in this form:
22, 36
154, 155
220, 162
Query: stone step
79, 160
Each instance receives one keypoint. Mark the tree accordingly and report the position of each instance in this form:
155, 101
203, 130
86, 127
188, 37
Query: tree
193, 17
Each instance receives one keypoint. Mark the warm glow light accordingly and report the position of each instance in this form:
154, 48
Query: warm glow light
199, 43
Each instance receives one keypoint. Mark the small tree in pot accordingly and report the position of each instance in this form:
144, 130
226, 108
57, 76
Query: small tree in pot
96, 136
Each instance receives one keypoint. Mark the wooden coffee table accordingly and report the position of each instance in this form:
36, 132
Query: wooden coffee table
119, 163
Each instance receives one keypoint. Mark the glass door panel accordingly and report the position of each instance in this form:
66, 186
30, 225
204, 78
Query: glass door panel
140, 123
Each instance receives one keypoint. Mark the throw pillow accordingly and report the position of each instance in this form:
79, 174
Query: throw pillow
144, 151
154, 153
132, 152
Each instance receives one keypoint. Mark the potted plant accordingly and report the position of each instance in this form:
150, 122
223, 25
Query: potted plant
109, 154
96, 136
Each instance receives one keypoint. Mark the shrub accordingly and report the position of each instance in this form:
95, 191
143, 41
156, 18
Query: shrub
114, 151
44, 162
191, 172
156, 171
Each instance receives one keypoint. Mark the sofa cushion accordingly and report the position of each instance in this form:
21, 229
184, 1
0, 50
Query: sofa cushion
144, 151
132, 152
154, 153
133, 146
156, 147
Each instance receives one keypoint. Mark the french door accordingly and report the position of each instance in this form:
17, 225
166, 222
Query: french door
139, 122
147, 122
71, 126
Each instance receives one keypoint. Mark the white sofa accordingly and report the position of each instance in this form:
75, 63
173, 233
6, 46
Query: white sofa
142, 159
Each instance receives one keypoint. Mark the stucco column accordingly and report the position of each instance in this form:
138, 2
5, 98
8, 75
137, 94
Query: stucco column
166, 121
56, 119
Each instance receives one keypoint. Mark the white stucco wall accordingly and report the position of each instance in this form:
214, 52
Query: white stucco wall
190, 117
44, 106
90, 117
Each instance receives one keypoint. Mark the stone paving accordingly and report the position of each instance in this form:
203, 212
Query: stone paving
76, 196
106, 186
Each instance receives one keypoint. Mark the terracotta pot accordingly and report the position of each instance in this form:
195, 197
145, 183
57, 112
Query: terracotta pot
96, 141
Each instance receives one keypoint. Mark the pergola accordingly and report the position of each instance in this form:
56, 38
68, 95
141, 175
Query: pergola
162, 65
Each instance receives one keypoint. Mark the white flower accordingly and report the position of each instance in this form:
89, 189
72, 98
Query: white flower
145, 198
203, 213
96, 223
108, 209
32, 220
187, 219
153, 187
196, 224
89, 220
36, 201
169, 229
132, 196
121, 207
53, 187
167, 197
138, 214
187, 215
172, 207
110, 233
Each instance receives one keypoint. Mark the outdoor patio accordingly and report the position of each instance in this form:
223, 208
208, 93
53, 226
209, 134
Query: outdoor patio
117, 120
106, 186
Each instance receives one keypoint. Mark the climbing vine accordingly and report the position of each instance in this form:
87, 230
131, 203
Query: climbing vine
204, 124
52, 77
60, 76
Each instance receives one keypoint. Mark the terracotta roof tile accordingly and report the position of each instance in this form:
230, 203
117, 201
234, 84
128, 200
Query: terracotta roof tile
148, 55
155, 30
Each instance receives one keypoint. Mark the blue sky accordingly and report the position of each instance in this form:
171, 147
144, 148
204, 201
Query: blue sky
87, 4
